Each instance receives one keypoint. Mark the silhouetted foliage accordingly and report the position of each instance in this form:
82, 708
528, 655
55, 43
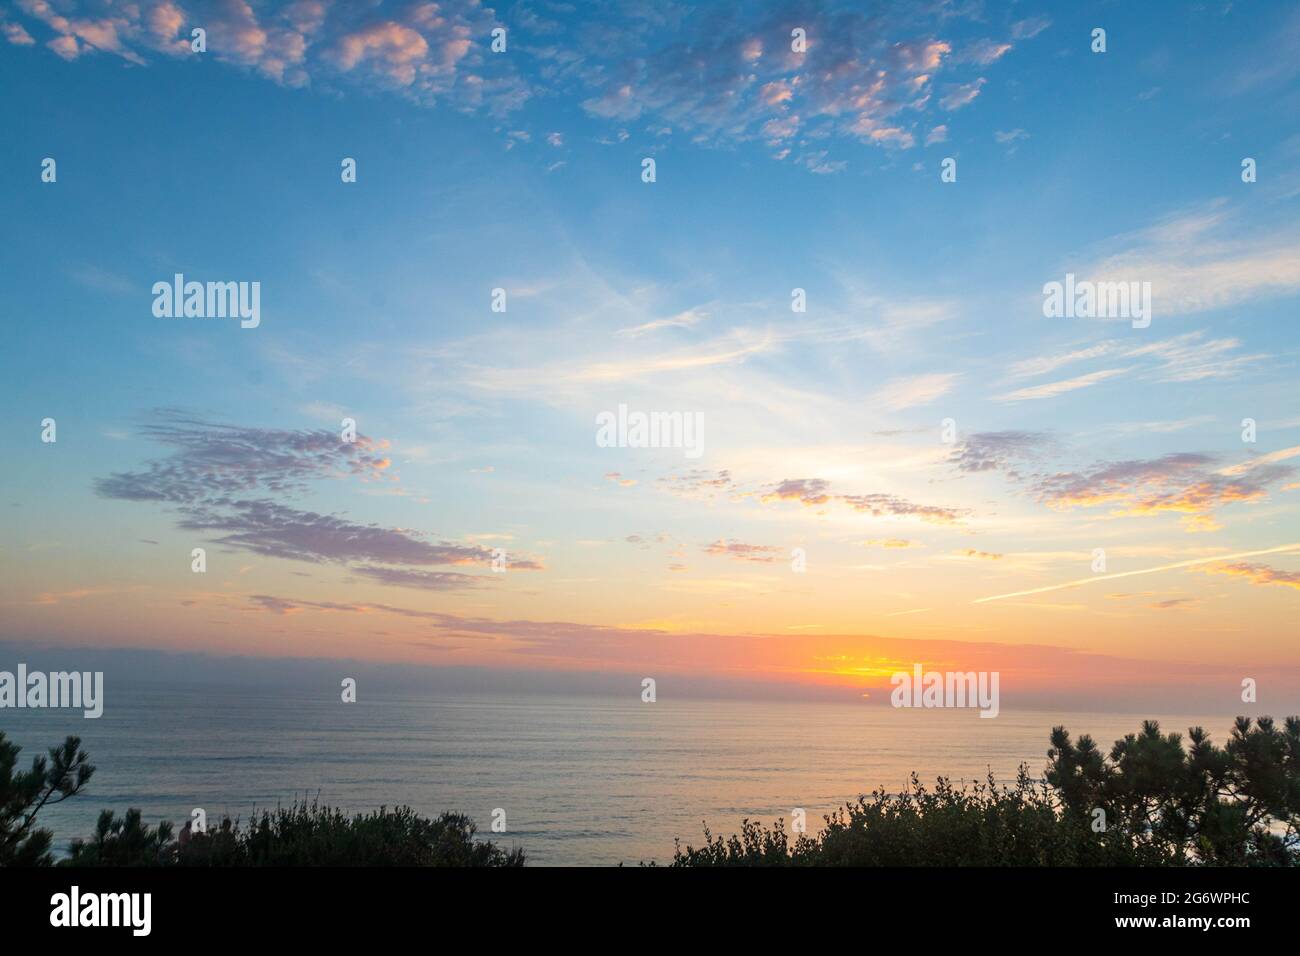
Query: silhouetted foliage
308, 834
1234, 805
124, 841
304, 834
1163, 805
24, 794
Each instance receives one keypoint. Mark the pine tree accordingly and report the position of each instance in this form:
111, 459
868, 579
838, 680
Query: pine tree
24, 794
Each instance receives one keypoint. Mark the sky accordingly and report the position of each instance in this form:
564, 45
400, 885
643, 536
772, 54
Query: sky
919, 467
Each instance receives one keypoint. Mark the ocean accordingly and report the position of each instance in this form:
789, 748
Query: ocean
582, 780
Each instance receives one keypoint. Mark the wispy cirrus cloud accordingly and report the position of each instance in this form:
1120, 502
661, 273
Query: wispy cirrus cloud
1052, 389
1187, 357
916, 390
962, 95
682, 320
1041, 365
1204, 258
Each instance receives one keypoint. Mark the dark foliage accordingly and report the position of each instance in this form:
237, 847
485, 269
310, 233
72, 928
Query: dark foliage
51, 780
304, 834
308, 834
1153, 802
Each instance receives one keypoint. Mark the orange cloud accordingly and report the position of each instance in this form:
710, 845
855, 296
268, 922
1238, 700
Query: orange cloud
1258, 573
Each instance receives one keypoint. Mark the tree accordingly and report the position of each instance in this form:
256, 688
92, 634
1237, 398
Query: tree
1161, 803
24, 794
1233, 805
124, 841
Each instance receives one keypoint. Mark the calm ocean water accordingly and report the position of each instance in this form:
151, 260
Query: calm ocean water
583, 780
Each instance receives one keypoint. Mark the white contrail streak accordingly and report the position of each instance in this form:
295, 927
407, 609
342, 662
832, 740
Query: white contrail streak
1129, 574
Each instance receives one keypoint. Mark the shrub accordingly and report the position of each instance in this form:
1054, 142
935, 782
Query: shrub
308, 834
1160, 805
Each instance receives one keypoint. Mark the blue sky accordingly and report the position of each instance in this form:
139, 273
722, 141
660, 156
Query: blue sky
775, 170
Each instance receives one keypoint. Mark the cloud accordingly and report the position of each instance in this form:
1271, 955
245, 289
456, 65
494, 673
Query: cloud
1030, 368
983, 52
215, 470
1258, 573
719, 76
422, 580
1185, 483
724, 77
1192, 563
1200, 260
682, 320
892, 543
996, 451
1029, 28
77, 34
959, 96
391, 50
1052, 389
983, 555
1011, 137
216, 459
880, 505
279, 531
815, 492
1269, 458
1189, 357
16, 35
737, 551
699, 484
427, 52
902, 393
806, 491
1182, 483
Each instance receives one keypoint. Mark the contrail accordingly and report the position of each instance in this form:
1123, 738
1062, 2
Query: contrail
1128, 574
